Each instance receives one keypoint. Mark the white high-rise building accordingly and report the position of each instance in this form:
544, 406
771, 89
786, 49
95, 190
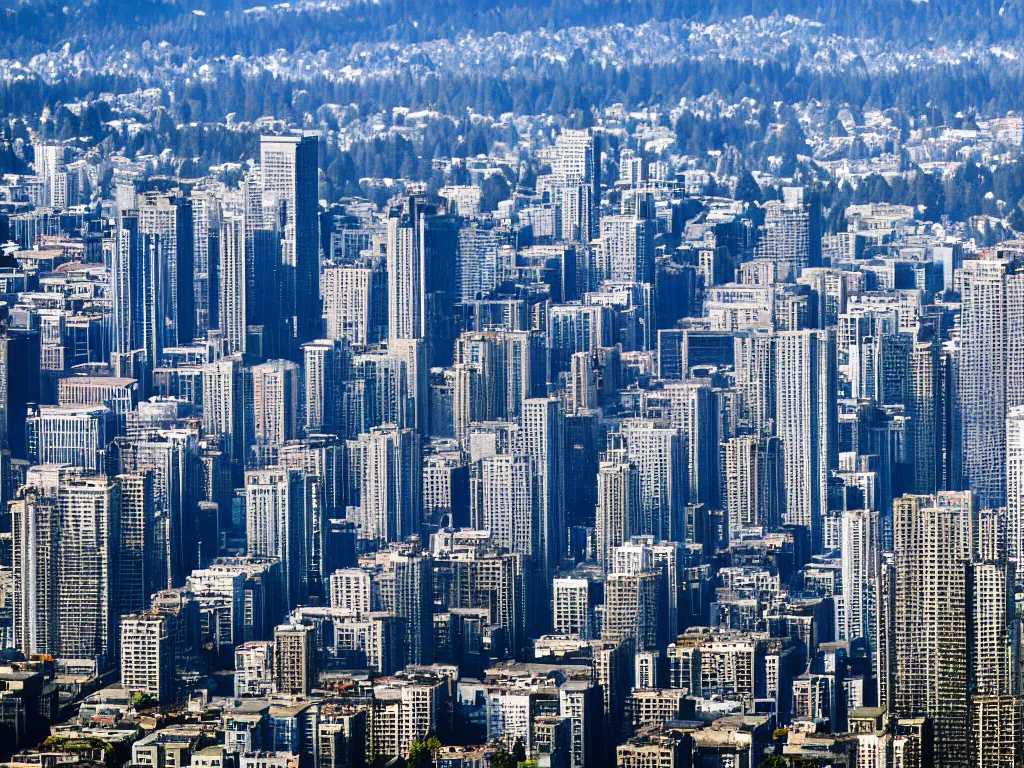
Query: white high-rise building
412, 355
234, 278
279, 523
138, 292
224, 405
786, 238
407, 591
618, 507
994, 630
631, 608
576, 205
752, 480
577, 162
627, 249
323, 372
147, 655
86, 570
480, 268
807, 425
658, 452
1015, 481
169, 219
49, 161
72, 435
990, 370
405, 280
571, 608
391, 478
507, 497
581, 384
510, 715
254, 669
351, 589
642, 554
691, 409
576, 156
354, 303
861, 572
275, 397
35, 524
926, 664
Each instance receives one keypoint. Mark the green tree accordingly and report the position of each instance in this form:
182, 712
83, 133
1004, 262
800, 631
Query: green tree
419, 755
494, 189
422, 754
747, 189
502, 759
519, 752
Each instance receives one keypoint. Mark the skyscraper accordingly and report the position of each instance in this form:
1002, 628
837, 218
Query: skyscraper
506, 502
169, 220
137, 543
631, 608
171, 458
752, 481
618, 506
791, 234
87, 567
571, 608
642, 554
479, 265
1015, 481
49, 163
147, 655
861, 572
356, 303
659, 455
993, 629
73, 435
233, 283
294, 659
391, 477
278, 516
405, 259
543, 439
990, 370
692, 410
495, 373
411, 354
934, 542
139, 292
226, 393
807, 422
325, 366
926, 405
627, 249
275, 397
289, 172
206, 214
577, 162
422, 254
35, 522
19, 386
413, 602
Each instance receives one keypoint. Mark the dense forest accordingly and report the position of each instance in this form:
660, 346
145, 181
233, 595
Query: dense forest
572, 87
45, 24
